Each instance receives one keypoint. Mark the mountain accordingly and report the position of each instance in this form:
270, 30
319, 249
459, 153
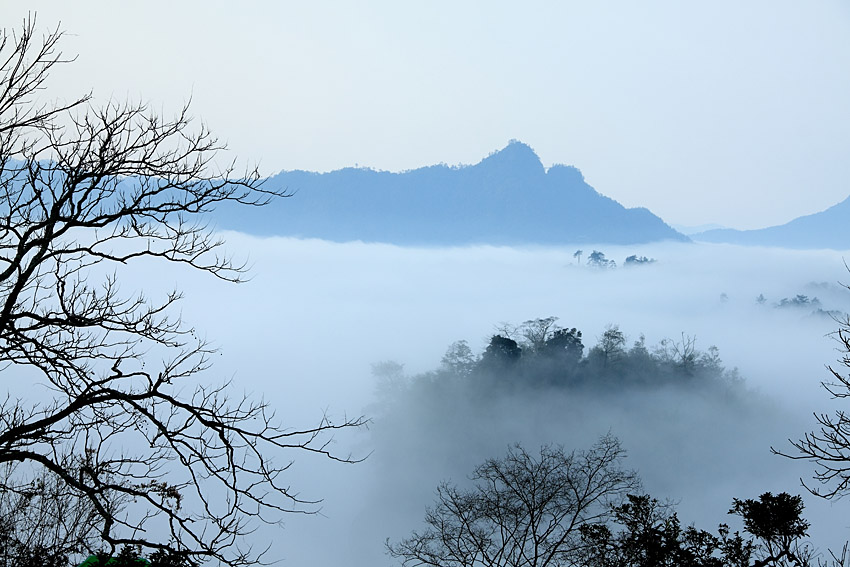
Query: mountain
689, 230
826, 229
507, 198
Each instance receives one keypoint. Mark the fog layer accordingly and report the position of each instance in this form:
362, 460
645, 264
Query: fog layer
306, 329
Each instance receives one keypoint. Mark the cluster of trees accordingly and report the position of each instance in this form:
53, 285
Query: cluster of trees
19, 555
597, 259
635, 260
802, 301
799, 300
582, 508
539, 352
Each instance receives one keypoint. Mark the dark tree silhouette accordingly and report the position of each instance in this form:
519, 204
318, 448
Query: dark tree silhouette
683, 354
131, 556
611, 348
651, 535
564, 345
501, 351
537, 332
116, 421
597, 259
778, 525
635, 260
522, 510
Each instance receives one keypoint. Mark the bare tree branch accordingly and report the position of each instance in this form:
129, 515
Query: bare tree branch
522, 510
829, 448
85, 188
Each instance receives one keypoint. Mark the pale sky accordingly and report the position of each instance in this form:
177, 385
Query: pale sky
724, 111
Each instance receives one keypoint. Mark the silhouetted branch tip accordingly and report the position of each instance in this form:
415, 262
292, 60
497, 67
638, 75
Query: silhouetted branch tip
121, 441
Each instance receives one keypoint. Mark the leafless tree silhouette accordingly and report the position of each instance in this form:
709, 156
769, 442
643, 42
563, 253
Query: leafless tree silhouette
523, 510
117, 421
829, 448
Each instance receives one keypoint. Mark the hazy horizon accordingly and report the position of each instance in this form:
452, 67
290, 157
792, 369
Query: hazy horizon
706, 112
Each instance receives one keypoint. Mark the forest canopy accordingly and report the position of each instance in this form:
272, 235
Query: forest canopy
539, 353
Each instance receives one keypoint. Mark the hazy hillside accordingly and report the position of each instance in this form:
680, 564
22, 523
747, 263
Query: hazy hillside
826, 229
507, 198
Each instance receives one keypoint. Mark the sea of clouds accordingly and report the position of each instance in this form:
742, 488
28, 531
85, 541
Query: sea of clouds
304, 331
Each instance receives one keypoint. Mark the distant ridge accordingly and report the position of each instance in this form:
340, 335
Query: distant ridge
826, 229
506, 198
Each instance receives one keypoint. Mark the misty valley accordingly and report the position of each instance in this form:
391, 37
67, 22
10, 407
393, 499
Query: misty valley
698, 363
663, 377
472, 365
538, 366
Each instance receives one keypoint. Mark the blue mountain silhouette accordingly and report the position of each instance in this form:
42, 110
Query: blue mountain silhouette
826, 229
506, 198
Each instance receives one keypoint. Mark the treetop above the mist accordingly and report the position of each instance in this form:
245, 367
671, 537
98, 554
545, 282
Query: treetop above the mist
539, 353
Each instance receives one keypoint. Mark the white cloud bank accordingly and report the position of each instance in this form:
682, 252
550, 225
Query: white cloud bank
305, 329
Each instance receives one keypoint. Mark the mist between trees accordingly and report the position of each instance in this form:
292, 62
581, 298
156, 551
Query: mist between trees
539, 353
695, 432
114, 438
584, 508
